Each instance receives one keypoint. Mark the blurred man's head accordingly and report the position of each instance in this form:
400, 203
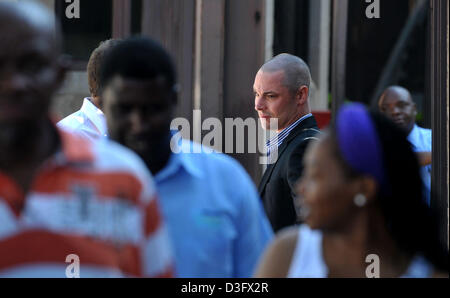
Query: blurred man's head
396, 102
139, 96
281, 90
29, 67
93, 69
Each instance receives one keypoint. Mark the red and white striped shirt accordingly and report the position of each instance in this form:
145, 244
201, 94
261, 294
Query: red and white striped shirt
93, 200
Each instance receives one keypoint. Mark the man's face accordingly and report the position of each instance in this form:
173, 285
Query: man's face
28, 73
399, 107
138, 112
273, 100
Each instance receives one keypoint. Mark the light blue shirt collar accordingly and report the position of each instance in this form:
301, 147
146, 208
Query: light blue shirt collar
180, 160
412, 137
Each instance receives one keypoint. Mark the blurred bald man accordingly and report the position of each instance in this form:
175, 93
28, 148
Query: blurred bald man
396, 102
63, 198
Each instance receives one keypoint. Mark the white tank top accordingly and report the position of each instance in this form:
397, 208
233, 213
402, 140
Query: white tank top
307, 260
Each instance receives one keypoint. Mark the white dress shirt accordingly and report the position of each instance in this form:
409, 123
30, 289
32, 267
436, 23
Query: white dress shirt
89, 121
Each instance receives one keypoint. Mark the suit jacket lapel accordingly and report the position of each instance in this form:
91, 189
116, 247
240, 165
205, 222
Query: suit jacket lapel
309, 123
270, 168
265, 178
305, 124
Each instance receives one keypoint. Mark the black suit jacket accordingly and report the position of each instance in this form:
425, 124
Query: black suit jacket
278, 182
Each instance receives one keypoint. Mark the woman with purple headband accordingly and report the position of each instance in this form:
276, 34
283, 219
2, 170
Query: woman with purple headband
362, 207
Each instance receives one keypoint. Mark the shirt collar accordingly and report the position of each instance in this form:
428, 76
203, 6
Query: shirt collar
412, 137
95, 115
184, 159
413, 132
282, 135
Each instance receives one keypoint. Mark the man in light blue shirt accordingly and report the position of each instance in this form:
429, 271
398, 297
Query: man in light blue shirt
214, 216
396, 102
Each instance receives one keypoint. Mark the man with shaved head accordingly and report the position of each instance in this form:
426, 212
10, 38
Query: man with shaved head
281, 91
396, 102
68, 207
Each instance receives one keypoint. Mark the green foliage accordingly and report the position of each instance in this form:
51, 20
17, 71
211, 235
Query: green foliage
419, 117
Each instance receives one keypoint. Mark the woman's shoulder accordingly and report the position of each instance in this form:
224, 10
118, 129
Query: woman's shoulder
278, 256
287, 238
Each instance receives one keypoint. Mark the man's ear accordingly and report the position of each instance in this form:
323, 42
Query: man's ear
302, 95
380, 102
415, 110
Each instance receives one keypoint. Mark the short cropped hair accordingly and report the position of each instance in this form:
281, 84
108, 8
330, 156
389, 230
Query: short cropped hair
296, 71
139, 58
95, 61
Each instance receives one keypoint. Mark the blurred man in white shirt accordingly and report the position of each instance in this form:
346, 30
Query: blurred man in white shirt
90, 121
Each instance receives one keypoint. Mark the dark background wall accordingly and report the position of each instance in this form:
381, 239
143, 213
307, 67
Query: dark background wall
369, 46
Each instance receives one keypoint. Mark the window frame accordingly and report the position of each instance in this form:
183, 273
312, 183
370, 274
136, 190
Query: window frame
120, 25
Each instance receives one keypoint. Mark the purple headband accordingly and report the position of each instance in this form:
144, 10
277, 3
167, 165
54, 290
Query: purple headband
359, 143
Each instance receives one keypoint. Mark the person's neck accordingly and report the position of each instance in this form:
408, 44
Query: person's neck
158, 158
95, 101
293, 120
28, 147
367, 234
410, 128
